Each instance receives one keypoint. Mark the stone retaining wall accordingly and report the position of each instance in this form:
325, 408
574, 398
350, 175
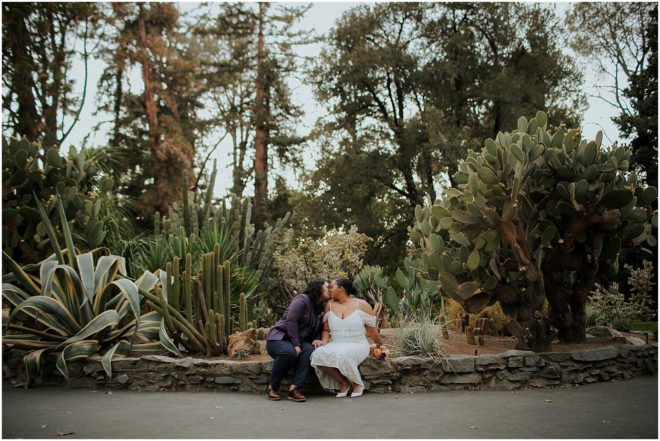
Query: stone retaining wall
508, 371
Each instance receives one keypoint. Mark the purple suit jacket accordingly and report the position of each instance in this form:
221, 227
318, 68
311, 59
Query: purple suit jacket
296, 321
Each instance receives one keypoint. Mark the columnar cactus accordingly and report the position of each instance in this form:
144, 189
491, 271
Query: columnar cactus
535, 215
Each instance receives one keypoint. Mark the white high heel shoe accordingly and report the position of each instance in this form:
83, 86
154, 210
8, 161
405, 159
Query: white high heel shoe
357, 394
343, 394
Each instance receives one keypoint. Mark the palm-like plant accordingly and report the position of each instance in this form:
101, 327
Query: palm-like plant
78, 305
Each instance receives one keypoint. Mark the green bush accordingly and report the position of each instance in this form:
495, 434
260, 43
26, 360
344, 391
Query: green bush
418, 336
31, 175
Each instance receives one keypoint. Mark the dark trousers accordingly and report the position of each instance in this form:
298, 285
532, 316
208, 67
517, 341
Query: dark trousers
286, 358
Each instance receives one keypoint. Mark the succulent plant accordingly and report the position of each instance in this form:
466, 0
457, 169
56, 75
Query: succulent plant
536, 214
32, 175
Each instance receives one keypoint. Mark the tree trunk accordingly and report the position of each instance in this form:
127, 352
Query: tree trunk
569, 316
150, 107
260, 141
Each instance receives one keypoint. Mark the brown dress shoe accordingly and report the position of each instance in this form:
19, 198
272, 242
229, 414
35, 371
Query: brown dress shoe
272, 394
296, 395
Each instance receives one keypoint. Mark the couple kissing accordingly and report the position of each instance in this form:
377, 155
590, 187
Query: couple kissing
334, 343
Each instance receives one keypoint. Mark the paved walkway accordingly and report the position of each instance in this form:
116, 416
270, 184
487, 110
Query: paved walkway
625, 409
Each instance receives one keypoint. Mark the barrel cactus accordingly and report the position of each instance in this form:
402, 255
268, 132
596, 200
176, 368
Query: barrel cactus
536, 215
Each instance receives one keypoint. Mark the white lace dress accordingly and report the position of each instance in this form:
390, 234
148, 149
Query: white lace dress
346, 350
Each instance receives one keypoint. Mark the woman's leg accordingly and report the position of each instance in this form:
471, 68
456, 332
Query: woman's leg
334, 373
285, 358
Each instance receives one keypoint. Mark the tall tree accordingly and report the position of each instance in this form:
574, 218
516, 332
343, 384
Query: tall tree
642, 122
622, 39
251, 88
410, 87
38, 51
155, 129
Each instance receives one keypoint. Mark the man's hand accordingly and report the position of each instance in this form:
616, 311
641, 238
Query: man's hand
298, 350
317, 343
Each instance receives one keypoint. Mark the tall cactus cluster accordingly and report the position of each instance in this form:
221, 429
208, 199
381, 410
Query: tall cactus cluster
198, 310
197, 224
535, 215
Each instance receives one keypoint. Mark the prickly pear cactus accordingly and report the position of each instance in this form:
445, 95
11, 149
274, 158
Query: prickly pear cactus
28, 172
535, 215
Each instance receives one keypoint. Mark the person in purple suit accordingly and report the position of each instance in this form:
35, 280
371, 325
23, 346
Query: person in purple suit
293, 339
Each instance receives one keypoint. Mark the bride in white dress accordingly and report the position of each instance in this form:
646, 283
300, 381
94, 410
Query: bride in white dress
344, 344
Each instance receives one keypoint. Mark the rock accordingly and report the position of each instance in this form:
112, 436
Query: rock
158, 358
267, 366
505, 385
635, 341
550, 371
515, 362
186, 363
604, 376
227, 380
90, 368
597, 354
405, 363
516, 353
590, 380
246, 339
473, 378
122, 379
372, 368
556, 356
651, 368
532, 360
249, 368
194, 379
518, 376
490, 361
125, 363
603, 331
458, 364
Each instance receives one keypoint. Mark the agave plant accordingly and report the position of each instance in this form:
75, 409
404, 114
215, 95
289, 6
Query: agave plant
78, 305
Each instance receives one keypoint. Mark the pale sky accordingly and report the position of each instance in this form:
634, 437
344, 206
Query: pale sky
321, 17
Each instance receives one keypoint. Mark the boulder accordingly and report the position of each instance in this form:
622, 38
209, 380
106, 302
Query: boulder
603, 331
595, 354
246, 339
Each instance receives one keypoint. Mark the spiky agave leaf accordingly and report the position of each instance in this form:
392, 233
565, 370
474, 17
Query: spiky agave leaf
74, 351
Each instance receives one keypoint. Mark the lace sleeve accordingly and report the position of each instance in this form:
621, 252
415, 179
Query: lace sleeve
367, 319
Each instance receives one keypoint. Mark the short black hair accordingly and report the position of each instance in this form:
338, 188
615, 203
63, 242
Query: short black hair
347, 285
314, 290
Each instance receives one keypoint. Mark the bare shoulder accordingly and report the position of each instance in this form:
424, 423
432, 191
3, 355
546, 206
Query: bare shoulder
326, 308
364, 306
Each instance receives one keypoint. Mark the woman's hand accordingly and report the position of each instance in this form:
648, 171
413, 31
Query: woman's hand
298, 350
317, 343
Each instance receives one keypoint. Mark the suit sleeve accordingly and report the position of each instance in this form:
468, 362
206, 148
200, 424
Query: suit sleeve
294, 315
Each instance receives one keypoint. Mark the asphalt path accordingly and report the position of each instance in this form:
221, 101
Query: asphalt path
618, 409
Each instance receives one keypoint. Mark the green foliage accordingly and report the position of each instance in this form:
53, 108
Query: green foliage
420, 296
31, 175
534, 203
77, 305
610, 306
338, 254
640, 283
398, 119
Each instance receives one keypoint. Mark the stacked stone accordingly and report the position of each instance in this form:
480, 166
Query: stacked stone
511, 370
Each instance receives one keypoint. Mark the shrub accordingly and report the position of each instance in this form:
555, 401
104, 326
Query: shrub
338, 254
419, 337
641, 285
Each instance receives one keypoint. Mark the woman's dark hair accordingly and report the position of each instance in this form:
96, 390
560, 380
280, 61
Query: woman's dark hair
347, 285
314, 290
